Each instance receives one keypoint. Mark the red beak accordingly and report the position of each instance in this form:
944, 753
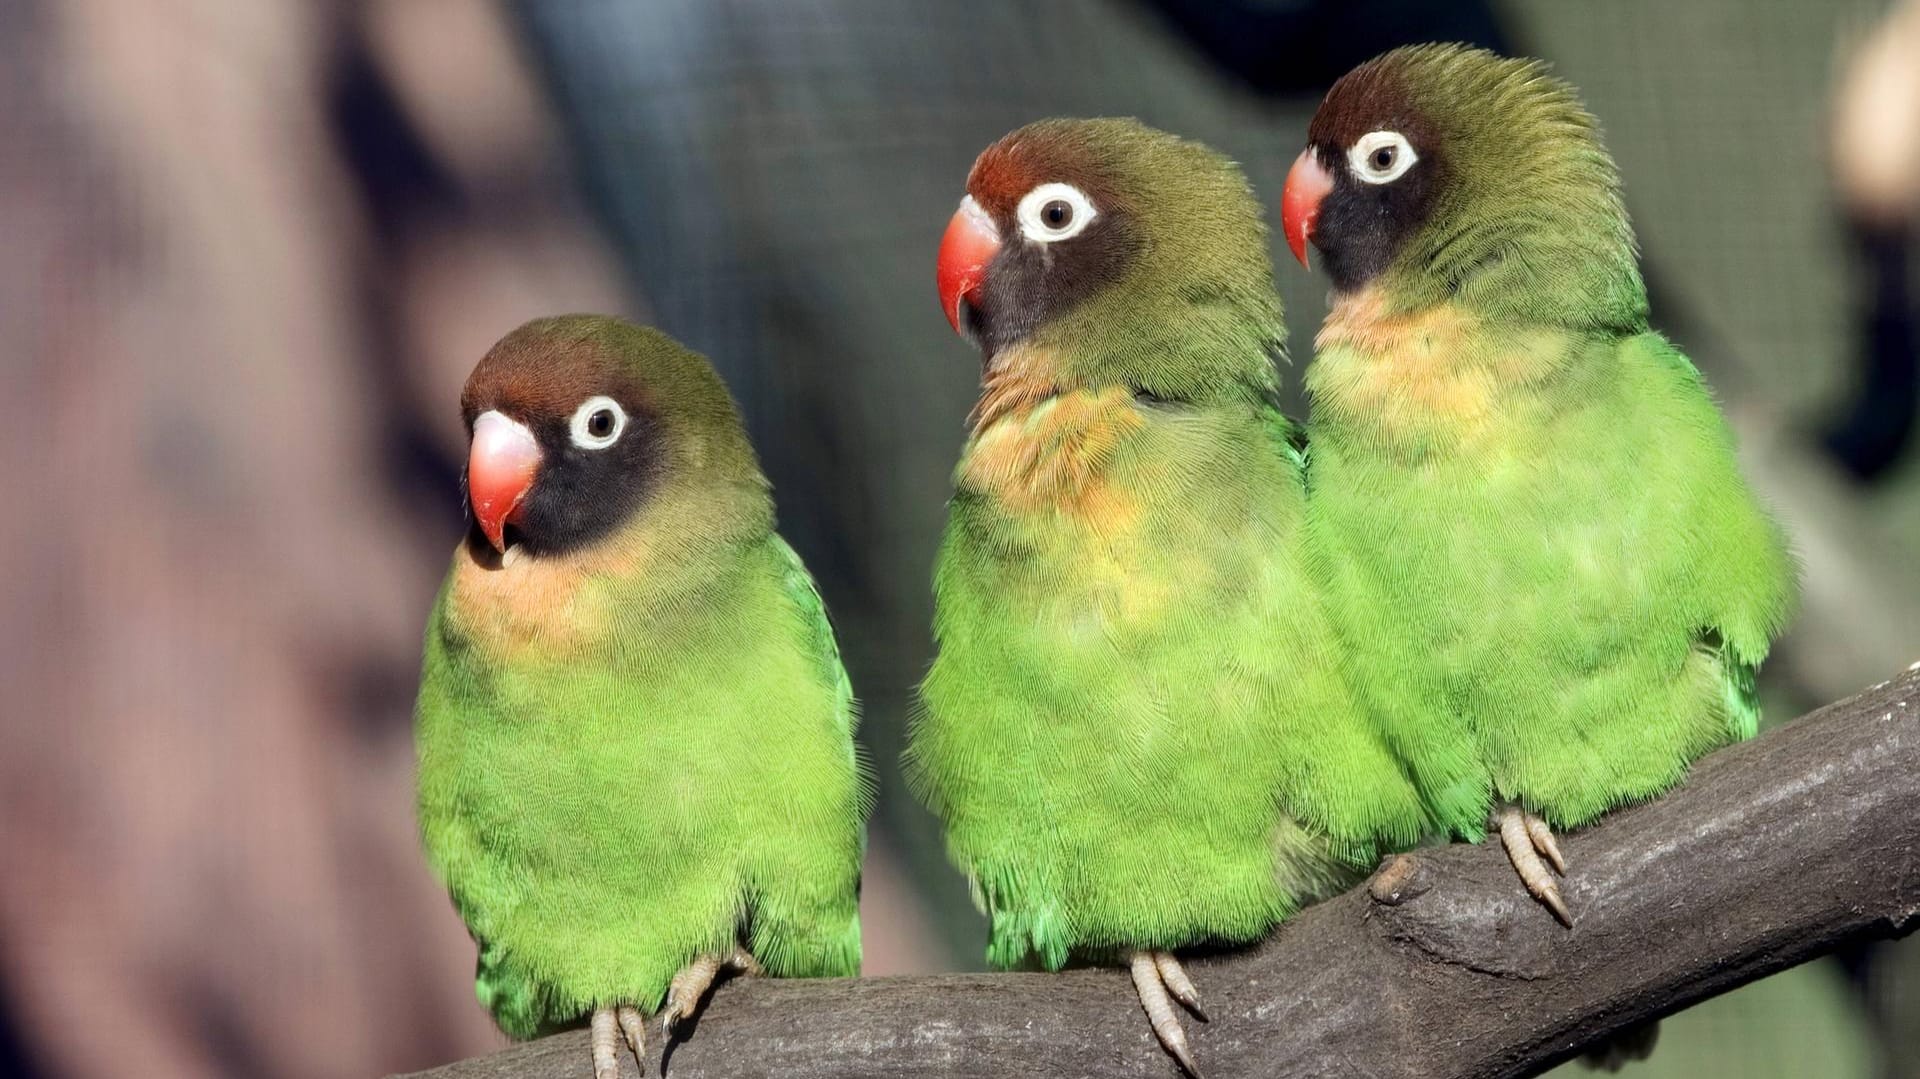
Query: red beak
1307, 184
965, 252
501, 463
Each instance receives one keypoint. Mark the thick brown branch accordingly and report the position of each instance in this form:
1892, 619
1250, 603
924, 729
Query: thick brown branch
1774, 852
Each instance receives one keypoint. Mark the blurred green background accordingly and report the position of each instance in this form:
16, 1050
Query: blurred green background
253, 248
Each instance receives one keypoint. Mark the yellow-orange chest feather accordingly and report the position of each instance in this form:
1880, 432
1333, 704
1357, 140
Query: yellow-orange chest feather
1436, 373
1038, 446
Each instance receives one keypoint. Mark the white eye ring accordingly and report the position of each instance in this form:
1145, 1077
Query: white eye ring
1400, 156
580, 429
1033, 217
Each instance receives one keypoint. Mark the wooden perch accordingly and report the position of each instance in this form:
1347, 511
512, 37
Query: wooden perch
1773, 853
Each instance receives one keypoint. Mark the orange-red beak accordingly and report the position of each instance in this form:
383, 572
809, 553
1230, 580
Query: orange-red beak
501, 463
965, 252
1307, 183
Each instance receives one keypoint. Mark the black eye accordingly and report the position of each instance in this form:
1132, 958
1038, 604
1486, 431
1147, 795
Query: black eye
600, 424
1058, 214
1382, 159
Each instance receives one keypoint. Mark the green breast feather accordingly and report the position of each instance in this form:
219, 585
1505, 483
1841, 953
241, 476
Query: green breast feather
1136, 729
687, 783
1564, 611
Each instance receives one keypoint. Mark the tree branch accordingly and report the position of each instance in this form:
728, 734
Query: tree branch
1774, 852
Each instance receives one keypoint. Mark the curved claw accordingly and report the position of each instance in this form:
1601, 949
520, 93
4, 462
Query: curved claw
1149, 983
691, 984
686, 989
1174, 976
1518, 834
1543, 841
634, 1026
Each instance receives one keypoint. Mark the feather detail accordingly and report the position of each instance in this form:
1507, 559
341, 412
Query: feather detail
1439, 372
1038, 446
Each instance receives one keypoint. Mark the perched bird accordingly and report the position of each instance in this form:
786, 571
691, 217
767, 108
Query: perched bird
636, 738
1535, 538
1137, 730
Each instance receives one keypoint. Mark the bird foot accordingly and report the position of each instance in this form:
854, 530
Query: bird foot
689, 986
1526, 838
1159, 980
609, 1024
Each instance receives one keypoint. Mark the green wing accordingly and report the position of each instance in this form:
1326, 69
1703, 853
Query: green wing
806, 917
806, 598
1739, 681
1753, 612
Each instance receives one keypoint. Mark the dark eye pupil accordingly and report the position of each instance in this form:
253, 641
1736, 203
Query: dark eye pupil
600, 424
1056, 214
1383, 158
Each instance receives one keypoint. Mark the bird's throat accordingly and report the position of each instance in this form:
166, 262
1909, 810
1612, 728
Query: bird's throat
1438, 372
1038, 444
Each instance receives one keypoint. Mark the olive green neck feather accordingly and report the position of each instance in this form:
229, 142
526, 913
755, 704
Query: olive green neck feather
1193, 316
1528, 223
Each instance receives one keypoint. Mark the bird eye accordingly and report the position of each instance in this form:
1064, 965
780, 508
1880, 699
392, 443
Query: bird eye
597, 423
1381, 157
1053, 212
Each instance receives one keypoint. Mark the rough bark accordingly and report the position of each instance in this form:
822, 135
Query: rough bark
1773, 852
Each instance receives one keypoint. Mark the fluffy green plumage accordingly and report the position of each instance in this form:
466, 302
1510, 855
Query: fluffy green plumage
1137, 731
1528, 224
642, 751
1196, 317
1532, 525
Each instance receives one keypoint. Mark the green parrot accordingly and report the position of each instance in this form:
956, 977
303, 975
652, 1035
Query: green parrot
1532, 531
637, 763
1137, 730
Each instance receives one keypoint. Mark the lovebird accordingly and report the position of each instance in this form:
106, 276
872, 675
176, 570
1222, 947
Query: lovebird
1525, 506
636, 739
1137, 730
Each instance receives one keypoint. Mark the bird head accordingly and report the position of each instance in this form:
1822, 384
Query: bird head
576, 423
1128, 252
1443, 172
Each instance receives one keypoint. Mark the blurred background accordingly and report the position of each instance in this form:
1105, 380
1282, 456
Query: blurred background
249, 250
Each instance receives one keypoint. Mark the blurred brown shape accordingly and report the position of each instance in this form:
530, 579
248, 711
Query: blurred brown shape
214, 583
